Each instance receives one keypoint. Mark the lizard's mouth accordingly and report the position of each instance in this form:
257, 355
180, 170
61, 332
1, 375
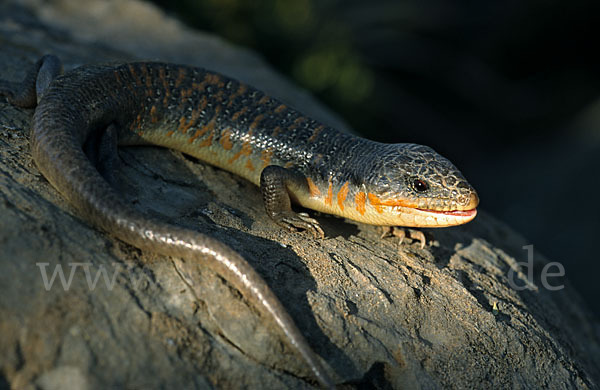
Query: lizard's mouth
456, 213
452, 217
408, 214
402, 212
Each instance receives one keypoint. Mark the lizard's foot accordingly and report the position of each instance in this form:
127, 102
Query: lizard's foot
299, 221
401, 233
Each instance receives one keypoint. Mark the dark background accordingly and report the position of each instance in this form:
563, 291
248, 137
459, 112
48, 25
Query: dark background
508, 90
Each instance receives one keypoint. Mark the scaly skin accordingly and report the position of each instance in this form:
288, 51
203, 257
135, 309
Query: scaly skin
240, 129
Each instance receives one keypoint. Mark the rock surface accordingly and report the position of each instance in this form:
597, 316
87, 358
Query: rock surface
460, 313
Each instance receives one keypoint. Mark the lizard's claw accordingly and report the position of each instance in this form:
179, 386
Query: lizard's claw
300, 221
401, 233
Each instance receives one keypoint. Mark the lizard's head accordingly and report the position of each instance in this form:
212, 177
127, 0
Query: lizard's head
420, 188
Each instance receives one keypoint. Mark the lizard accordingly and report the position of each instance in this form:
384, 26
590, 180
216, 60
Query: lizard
233, 126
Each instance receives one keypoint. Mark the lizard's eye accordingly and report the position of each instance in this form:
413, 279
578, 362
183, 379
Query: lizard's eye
419, 185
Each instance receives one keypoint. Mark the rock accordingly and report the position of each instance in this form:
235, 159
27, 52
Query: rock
461, 313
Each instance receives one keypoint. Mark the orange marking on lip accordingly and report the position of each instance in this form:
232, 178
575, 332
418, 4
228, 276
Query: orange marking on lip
288, 164
170, 133
312, 188
376, 201
237, 115
361, 199
249, 165
226, 140
329, 198
280, 108
256, 121
265, 156
341, 195
263, 100
180, 77
316, 133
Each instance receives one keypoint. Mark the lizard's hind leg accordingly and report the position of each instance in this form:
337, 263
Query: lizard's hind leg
101, 149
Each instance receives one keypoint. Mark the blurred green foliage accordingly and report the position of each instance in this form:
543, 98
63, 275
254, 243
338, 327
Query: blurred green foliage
299, 37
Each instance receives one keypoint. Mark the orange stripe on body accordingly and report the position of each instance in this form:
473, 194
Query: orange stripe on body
266, 156
245, 150
208, 140
184, 124
316, 133
242, 88
162, 75
186, 93
137, 79
226, 139
342, 194
296, 123
153, 115
213, 78
180, 77
256, 121
199, 133
237, 115
329, 198
312, 188
146, 75
361, 199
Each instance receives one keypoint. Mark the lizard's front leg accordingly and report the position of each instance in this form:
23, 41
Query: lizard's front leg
274, 181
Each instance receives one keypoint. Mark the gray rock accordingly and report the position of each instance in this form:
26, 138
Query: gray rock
461, 313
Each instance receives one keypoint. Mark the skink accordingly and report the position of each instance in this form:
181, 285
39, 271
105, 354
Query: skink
226, 123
